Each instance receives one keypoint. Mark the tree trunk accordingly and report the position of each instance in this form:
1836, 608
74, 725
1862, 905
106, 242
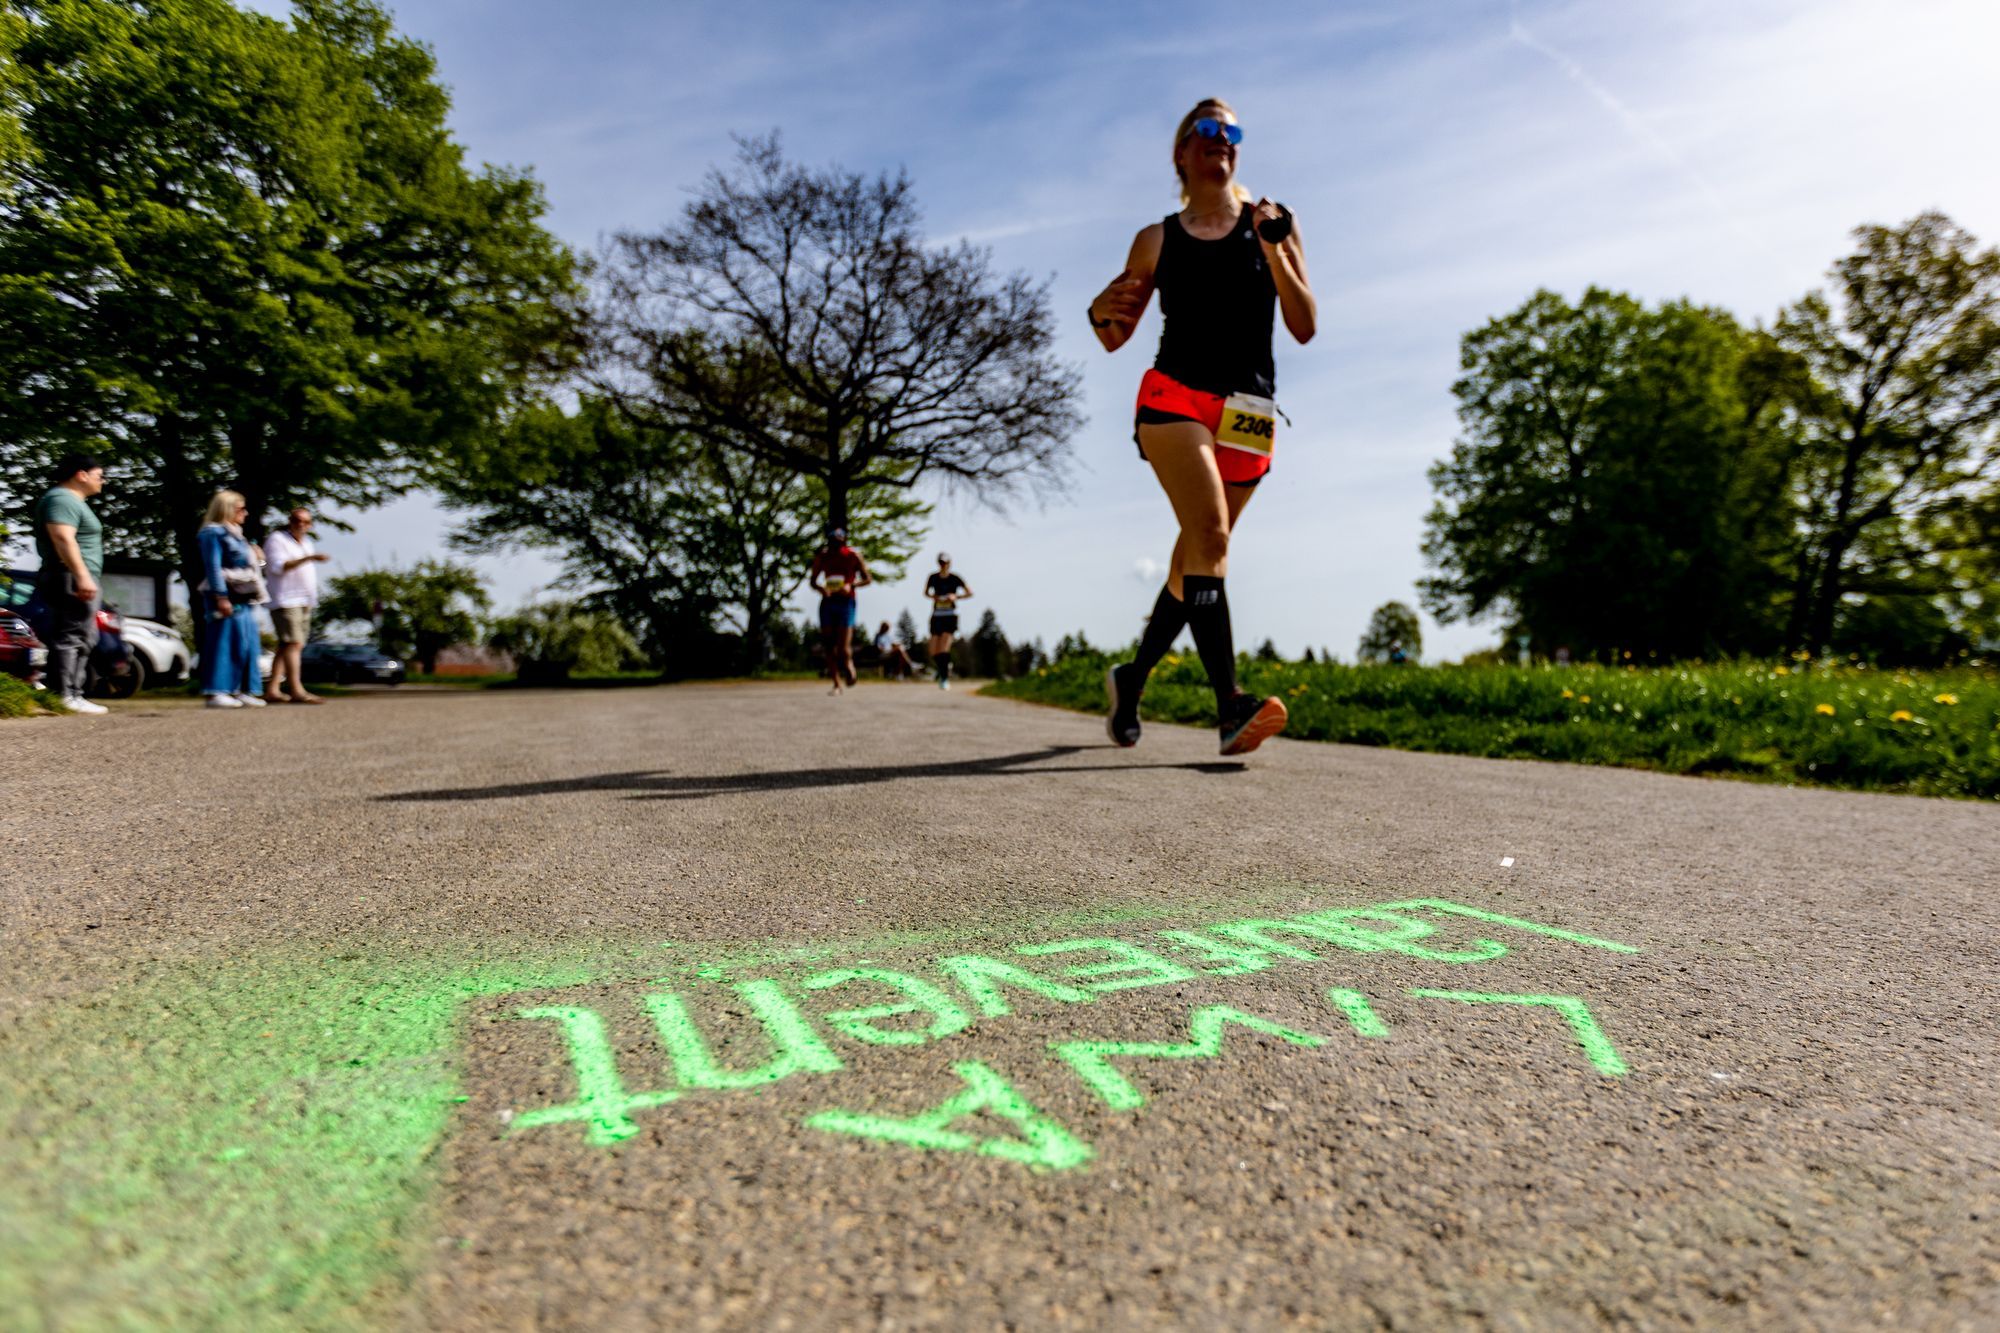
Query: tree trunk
836, 502
1826, 596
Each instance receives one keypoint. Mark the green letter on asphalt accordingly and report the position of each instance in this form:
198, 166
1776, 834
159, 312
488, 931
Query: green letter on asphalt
797, 1049
1236, 958
1494, 918
1358, 1012
982, 978
602, 1102
1595, 1044
1401, 935
1153, 970
1043, 1142
1092, 1059
946, 1016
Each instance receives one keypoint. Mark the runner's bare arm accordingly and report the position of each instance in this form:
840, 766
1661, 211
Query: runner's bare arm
1288, 274
1119, 307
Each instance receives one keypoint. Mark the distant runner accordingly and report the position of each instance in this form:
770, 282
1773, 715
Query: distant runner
838, 571
1206, 419
946, 590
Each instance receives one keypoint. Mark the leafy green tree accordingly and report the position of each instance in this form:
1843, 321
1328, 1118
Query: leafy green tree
1621, 481
416, 612
801, 317
1075, 645
1393, 626
237, 250
988, 652
1901, 443
907, 635
677, 536
551, 640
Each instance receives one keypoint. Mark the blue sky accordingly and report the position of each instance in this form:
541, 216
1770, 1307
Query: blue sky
1444, 161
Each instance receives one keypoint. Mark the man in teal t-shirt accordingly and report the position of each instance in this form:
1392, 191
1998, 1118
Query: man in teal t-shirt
70, 541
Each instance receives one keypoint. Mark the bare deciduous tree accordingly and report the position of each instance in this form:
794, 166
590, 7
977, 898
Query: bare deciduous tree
799, 315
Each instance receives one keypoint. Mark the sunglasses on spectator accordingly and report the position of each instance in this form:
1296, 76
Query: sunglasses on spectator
1208, 127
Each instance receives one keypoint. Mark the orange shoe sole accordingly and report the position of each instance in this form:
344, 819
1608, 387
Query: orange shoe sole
1265, 723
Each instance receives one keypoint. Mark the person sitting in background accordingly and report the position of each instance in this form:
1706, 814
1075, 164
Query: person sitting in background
896, 663
231, 588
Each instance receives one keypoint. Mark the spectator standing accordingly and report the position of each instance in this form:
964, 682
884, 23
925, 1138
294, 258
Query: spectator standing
70, 541
291, 575
231, 587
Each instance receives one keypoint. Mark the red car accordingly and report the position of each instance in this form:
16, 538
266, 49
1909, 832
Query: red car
21, 653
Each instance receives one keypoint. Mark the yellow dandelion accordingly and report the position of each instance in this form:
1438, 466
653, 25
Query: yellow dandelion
1584, 700
1902, 715
1173, 659
1824, 710
1781, 671
1802, 656
1945, 699
1569, 694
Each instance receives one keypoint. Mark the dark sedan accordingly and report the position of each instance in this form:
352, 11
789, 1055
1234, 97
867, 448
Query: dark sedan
350, 664
21, 652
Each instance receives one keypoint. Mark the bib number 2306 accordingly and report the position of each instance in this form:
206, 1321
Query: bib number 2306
1249, 423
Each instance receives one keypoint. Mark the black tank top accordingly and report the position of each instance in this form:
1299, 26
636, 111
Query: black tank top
1217, 302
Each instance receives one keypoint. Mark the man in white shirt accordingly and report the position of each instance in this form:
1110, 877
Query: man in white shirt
293, 580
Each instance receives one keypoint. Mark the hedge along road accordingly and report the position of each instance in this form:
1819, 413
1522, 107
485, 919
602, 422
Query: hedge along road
739, 1005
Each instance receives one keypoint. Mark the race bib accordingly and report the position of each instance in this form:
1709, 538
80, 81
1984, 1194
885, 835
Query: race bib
944, 606
835, 585
1249, 423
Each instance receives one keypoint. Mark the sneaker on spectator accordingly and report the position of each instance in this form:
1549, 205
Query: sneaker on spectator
78, 704
224, 701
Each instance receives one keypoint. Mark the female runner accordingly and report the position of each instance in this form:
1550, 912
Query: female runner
1205, 419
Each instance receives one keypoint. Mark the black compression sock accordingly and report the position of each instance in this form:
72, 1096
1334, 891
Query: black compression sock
944, 667
1169, 618
1208, 616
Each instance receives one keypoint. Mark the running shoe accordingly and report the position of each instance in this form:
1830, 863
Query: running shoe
1122, 724
1247, 722
76, 703
224, 701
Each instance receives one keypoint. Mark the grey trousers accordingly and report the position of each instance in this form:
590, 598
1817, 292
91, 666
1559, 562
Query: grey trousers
72, 634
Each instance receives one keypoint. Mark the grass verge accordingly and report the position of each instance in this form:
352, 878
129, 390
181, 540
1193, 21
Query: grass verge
20, 699
1925, 733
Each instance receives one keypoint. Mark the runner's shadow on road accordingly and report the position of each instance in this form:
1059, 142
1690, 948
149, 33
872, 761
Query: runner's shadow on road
655, 785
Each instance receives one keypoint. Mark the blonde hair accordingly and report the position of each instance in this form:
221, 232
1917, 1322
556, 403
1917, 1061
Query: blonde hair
1202, 108
222, 507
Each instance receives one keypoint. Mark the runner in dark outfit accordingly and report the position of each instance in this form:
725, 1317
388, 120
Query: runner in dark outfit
946, 590
1205, 419
837, 571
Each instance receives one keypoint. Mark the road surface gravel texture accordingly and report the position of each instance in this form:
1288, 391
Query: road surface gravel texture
740, 1006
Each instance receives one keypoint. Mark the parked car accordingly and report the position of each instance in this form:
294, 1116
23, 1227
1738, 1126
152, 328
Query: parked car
159, 657
21, 652
349, 664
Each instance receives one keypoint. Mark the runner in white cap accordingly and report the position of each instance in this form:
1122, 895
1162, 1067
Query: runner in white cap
946, 590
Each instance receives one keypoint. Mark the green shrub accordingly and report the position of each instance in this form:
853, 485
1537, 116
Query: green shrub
554, 640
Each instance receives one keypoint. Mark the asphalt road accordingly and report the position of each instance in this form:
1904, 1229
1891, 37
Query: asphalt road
729, 1006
